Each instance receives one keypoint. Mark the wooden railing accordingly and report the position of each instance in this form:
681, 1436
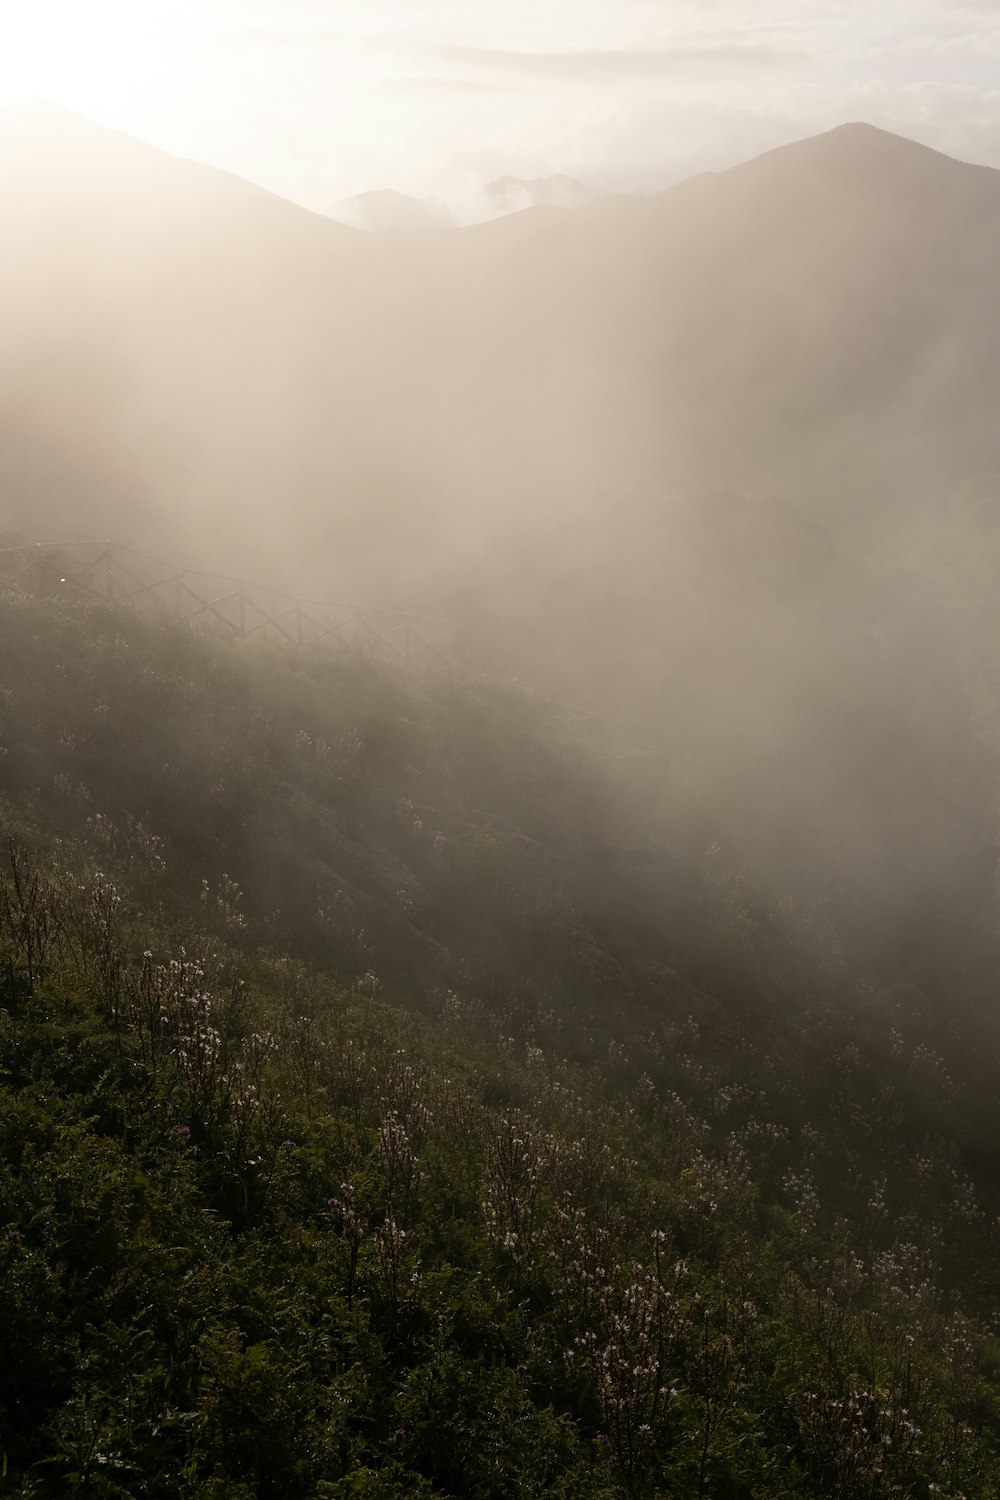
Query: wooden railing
108, 571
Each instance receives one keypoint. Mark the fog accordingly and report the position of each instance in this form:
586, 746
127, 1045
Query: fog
699, 462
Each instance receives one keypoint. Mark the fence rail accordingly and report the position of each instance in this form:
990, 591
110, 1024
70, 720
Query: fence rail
108, 571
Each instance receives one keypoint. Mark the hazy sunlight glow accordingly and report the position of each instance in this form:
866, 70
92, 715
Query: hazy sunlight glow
111, 59
316, 99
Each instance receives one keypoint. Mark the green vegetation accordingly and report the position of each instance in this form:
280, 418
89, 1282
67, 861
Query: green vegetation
390, 1109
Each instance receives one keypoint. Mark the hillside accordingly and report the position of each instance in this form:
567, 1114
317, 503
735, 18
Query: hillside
390, 1108
574, 1076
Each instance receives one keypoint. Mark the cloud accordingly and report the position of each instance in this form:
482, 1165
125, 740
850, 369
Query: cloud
321, 98
429, 84
234, 38
608, 64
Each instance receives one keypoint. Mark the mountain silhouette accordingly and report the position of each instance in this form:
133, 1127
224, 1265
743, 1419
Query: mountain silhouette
198, 358
504, 195
387, 209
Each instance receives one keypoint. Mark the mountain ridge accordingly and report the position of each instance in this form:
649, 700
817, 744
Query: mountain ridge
386, 209
49, 129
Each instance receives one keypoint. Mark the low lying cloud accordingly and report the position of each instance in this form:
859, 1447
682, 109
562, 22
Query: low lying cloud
613, 64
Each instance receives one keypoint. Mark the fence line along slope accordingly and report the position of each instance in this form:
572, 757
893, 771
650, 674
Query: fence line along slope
118, 574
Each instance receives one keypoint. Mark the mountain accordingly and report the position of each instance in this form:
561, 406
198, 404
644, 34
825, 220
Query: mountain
387, 209
505, 195
410, 1085
508, 195
470, 421
819, 322
519, 424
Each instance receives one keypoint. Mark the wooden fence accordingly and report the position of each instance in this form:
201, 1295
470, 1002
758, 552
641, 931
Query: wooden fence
117, 574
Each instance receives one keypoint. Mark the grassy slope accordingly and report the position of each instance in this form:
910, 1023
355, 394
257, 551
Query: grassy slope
388, 1109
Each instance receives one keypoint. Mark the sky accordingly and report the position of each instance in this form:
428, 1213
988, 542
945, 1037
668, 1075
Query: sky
318, 99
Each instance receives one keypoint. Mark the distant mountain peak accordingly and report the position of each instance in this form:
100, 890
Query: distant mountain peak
552, 180
862, 128
862, 134
859, 141
385, 208
388, 209
510, 194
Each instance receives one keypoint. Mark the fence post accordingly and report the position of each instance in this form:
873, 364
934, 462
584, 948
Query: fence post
298, 620
243, 608
109, 574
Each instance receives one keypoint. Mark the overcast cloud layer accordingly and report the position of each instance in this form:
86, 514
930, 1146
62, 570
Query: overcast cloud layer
320, 98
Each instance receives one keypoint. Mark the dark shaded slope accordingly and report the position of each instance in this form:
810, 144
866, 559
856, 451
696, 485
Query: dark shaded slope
446, 831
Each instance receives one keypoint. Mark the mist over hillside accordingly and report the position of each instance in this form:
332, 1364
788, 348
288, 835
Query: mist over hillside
713, 465
564, 1066
639, 449
195, 352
